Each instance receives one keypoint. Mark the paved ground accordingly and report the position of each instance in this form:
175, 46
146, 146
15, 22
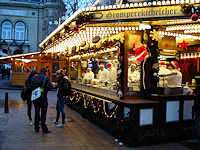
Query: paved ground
78, 134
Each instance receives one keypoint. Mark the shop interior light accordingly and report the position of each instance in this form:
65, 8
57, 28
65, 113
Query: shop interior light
149, 3
192, 55
145, 4
181, 56
140, 4
131, 5
172, 2
154, 3
144, 26
159, 2
177, 1
195, 55
182, 1
163, 2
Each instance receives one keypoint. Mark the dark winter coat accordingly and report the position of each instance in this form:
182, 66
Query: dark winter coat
196, 107
37, 81
62, 86
28, 85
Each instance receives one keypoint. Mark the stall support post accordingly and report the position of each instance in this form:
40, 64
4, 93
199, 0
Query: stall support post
6, 103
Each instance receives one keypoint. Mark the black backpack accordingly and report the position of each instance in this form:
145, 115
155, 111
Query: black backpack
69, 90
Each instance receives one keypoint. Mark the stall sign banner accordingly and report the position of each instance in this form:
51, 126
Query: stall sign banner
138, 13
168, 52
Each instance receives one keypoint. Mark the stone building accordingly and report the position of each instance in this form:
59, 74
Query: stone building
25, 23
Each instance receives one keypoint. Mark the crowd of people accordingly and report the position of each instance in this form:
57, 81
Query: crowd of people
41, 79
104, 75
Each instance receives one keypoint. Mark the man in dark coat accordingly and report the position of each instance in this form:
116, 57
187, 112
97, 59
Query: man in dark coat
41, 103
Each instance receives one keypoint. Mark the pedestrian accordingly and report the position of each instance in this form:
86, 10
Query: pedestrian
29, 102
196, 107
8, 73
2, 71
41, 103
62, 92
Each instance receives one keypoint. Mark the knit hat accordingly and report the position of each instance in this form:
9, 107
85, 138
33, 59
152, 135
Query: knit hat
133, 64
163, 64
140, 51
175, 64
101, 65
109, 65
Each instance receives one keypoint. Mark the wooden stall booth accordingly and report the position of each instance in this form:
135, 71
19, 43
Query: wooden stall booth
22, 64
113, 55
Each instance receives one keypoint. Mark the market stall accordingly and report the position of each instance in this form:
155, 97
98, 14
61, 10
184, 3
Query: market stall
112, 56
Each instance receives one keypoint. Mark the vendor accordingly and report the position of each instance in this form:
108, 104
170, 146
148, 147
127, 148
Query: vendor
163, 71
102, 75
112, 74
89, 75
133, 75
176, 78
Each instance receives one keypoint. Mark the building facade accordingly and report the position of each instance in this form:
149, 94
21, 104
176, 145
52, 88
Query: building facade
24, 23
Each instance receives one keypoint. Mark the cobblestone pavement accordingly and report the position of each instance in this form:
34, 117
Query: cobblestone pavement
78, 134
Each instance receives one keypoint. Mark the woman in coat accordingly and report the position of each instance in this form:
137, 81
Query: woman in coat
62, 89
29, 102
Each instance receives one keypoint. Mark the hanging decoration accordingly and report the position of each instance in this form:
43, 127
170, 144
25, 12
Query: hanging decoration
154, 35
114, 110
198, 50
166, 45
184, 66
194, 17
192, 10
183, 45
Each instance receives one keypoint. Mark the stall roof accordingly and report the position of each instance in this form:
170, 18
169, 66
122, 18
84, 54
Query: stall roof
19, 55
67, 21
113, 19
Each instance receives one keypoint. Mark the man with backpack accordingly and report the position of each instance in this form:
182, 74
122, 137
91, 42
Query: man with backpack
41, 80
63, 89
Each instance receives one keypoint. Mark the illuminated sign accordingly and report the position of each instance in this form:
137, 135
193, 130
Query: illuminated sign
138, 13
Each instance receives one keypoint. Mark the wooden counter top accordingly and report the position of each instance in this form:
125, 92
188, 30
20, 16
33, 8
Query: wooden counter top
113, 98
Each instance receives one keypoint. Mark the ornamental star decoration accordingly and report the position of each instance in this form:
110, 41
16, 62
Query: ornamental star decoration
184, 66
198, 50
183, 44
166, 45
155, 35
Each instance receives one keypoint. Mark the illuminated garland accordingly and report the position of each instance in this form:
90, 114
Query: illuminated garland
104, 108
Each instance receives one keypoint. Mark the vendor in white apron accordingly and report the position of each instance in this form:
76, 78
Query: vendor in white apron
163, 71
134, 78
176, 79
112, 74
89, 75
102, 75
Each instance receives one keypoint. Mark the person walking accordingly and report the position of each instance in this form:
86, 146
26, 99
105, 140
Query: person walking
41, 103
29, 102
2, 71
62, 92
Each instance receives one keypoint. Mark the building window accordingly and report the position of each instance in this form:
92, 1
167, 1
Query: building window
19, 31
6, 30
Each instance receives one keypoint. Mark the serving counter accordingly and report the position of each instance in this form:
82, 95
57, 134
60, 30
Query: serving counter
136, 121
